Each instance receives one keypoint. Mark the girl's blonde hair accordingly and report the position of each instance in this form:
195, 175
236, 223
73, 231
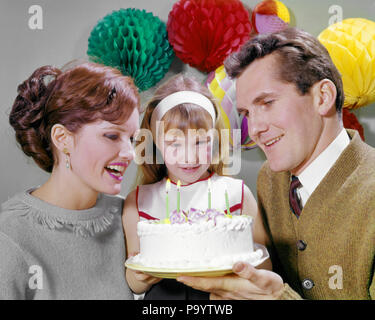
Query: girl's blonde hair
183, 117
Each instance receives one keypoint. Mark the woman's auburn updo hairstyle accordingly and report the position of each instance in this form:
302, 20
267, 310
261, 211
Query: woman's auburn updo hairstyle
183, 116
80, 95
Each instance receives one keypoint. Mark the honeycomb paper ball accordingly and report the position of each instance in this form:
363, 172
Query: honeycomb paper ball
135, 42
204, 32
351, 44
350, 121
224, 90
270, 16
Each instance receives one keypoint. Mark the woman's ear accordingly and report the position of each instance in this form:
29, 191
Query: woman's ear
325, 93
62, 138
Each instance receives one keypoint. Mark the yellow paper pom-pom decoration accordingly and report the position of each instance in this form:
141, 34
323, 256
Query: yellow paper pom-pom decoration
224, 90
282, 11
351, 44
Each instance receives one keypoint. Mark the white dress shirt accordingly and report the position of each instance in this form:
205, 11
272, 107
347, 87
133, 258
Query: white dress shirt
316, 170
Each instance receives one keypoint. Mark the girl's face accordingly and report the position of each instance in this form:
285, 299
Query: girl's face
102, 152
187, 157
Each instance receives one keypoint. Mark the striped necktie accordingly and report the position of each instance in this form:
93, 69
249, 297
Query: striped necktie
293, 198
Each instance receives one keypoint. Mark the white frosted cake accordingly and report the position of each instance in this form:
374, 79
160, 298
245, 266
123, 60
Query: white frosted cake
196, 239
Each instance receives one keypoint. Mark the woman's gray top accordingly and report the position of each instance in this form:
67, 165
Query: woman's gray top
47, 252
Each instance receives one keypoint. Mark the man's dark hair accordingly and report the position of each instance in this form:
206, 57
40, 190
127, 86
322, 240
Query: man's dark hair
303, 60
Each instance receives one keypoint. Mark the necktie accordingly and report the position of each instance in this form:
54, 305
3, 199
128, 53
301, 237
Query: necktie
293, 199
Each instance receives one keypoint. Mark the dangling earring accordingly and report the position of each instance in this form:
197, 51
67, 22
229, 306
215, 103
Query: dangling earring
67, 159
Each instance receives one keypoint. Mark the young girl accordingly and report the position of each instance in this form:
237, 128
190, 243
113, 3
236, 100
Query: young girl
176, 115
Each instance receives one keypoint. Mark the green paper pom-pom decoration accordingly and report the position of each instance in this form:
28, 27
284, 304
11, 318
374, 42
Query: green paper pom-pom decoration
135, 42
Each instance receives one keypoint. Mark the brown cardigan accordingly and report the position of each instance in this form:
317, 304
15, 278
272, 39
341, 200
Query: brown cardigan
337, 225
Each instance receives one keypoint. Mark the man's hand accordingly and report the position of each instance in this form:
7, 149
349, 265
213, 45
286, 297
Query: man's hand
247, 283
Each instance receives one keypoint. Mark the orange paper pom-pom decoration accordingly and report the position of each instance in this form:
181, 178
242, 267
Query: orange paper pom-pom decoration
270, 16
204, 32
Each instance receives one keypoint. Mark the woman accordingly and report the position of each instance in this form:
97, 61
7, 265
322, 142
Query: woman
64, 240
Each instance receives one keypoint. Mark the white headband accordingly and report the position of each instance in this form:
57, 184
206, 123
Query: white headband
177, 98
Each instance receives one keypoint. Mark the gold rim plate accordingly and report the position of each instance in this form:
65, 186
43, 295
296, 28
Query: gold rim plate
169, 273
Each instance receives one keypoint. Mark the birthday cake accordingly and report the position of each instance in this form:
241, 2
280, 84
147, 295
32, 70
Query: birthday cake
196, 239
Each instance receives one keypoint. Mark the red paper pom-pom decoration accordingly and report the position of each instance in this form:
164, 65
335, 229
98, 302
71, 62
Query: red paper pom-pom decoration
351, 122
204, 32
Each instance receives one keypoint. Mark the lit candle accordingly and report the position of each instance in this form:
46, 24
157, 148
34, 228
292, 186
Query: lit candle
209, 193
227, 201
178, 195
167, 188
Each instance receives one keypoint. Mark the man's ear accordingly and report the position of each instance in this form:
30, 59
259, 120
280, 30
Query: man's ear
325, 93
62, 138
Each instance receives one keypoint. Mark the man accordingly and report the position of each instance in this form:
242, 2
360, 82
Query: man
316, 191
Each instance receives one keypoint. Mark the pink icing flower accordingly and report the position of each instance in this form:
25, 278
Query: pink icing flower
212, 214
177, 217
196, 215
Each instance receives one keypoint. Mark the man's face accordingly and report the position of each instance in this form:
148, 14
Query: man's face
284, 124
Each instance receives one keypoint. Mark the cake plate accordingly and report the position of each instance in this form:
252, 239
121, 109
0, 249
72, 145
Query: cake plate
169, 273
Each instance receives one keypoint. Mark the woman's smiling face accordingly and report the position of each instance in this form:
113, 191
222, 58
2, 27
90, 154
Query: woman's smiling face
102, 152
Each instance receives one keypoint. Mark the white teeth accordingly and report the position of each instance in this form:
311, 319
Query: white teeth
120, 169
272, 141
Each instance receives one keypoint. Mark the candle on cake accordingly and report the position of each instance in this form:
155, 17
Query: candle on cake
167, 188
178, 195
227, 201
209, 193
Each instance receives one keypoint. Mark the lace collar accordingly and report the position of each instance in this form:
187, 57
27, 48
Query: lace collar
85, 223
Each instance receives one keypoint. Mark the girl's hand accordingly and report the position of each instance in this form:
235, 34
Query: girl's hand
146, 278
143, 277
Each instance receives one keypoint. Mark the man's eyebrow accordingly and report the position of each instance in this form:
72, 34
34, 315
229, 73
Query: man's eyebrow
259, 99
263, 96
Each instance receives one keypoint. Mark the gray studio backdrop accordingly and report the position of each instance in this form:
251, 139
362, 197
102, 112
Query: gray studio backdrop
66, 28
